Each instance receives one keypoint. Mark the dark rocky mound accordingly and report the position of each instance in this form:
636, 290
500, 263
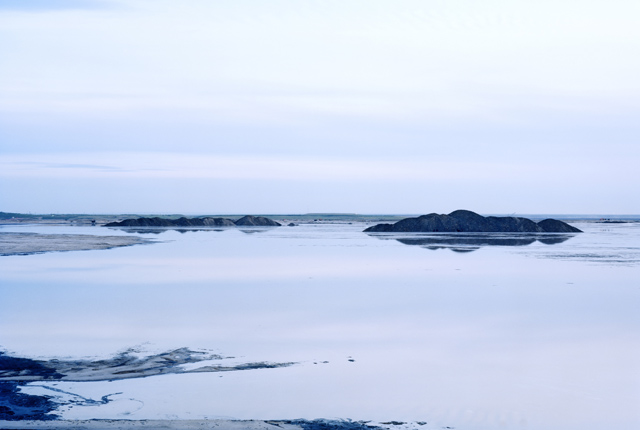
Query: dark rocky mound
217, 222
555, 226
468, 222
256, 221
141, 222
194, 222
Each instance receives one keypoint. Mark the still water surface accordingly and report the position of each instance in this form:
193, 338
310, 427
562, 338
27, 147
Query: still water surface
472, 334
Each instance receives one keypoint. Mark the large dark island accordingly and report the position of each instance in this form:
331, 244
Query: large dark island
471, 222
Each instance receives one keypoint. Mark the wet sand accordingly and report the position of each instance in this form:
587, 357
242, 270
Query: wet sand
319, 424
148, 424
16, 372
125, 365
35, 243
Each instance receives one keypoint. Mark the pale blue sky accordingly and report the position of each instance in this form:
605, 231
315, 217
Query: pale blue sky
241, 106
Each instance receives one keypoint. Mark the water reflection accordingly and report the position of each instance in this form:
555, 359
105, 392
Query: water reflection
254, 230
468, 242
495, 339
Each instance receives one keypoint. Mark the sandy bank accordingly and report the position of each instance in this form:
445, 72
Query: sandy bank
319, 424
35, 243
148, 424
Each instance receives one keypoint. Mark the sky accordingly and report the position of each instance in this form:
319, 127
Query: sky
289, 106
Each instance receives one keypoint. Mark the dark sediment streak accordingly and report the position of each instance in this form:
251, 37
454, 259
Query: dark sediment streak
125, 365
17, 406
217, 424
18, 371
321, 424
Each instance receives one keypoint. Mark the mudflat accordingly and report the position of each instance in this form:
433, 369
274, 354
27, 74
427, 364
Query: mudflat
319, 424
147, 424
36, 243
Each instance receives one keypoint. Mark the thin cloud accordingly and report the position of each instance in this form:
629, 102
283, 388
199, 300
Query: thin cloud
533, 102
45, 165
237, 167
53, 5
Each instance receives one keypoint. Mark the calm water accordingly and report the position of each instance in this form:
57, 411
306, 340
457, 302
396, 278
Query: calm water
474, 334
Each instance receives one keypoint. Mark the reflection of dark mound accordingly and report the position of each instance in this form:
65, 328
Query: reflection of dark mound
461, 242
252, 231
459, 250
195, 222
554, 240
470, 241
471, 222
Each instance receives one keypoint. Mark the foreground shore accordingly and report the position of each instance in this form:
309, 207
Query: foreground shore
319, 424
147, 424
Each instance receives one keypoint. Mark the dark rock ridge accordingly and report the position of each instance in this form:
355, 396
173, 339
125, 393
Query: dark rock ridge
471, 222
257, 221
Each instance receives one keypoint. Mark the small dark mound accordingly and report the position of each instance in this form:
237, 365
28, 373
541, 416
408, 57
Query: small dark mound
142, 222
194, 222
380, 228
258, 221
217, 222
555, 226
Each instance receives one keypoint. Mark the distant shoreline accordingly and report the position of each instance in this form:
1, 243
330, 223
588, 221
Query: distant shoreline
8, 218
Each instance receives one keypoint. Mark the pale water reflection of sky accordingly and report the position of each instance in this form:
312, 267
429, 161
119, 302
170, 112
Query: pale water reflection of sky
501, 336
288, 106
